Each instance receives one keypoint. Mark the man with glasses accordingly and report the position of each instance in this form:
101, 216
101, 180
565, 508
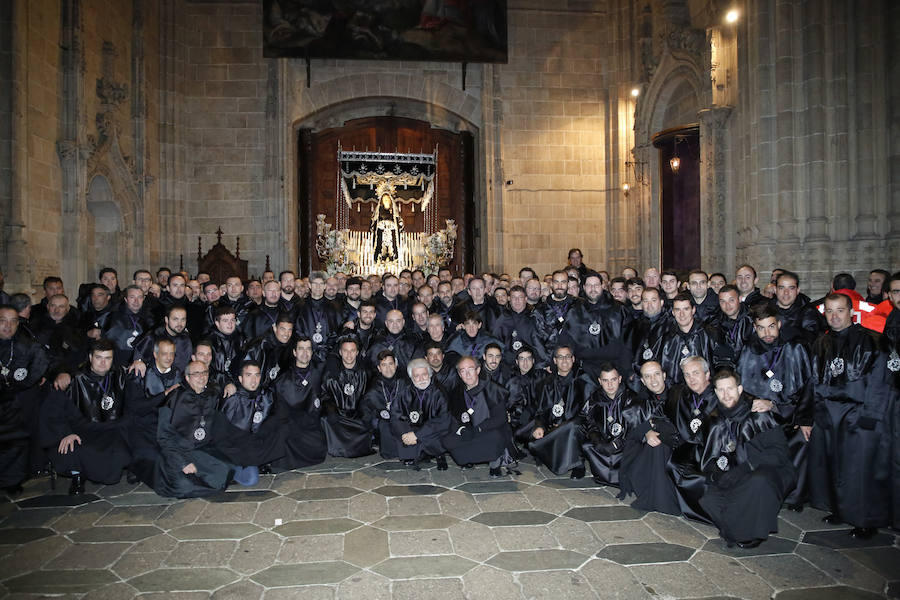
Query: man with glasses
561, 399
704, 299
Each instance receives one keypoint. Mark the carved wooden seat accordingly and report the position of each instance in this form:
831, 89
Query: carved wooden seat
219, 262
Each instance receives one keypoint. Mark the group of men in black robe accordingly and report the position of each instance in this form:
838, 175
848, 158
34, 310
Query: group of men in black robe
719, 405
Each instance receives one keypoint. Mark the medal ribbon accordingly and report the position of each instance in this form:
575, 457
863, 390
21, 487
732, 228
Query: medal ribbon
696, 401
390, 397
421, 397
560, 312
104, 385
12, 348
470, 401
771, 363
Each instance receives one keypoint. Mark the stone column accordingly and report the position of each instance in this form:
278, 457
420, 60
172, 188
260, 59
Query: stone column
17, 272
716, 214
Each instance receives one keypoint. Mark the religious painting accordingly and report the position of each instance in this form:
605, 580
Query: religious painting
432, 30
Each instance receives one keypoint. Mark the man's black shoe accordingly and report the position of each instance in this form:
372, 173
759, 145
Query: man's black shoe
577, 473
265, 469
13, 490
131, 477
467, 466
77, 486
441, 463
832, 519
750, 544
495, 472
863, 533
797, 508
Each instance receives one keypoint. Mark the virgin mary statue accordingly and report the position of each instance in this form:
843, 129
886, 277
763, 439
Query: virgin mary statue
386, 225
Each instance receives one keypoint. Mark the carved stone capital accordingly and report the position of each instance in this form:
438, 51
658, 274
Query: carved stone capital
67, 149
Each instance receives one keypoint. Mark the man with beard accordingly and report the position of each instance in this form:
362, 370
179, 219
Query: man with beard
799, 318
236, 299
83, 427
479, 431
385, 390
477, 302
444, 302
227, 341
516, 327
634, 307
523, 400
643, 336
93, 320
248, 409
23, 363
343, 386
687, 336
393, 338
704, 299
734, 324
561, 400
551, 315
471, 340
317, 318
594, 327
876, 286
298, 410
57, 331
850, 449
612, 413
290, 301
52, 287
199, 448
778, 374
617, 290
746, 465
492, 367
443, 370
263, 317
363, 328
349, 307
173, 329
892, 323
274, 350
144, 396
389, 300
648, 448
688, 409
126, 324
745, 281
533, 292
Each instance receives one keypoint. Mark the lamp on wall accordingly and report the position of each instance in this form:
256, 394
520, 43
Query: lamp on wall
637, 171
675, 162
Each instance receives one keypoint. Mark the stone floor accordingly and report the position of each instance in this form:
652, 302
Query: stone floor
369, 529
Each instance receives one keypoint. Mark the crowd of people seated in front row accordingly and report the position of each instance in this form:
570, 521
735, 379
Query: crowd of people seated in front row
697, 397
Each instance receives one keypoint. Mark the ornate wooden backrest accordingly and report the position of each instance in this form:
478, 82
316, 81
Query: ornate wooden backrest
219, 262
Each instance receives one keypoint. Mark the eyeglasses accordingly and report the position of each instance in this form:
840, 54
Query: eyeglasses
523, 358
564, 357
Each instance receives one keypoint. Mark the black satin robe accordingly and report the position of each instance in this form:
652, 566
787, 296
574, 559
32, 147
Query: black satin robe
297, 410
748, 472
383, 393
596, 332
274, 356
318, 318
734, 333
144, 396
852, 443
402, 345
346, 429
801, 322
227, 353
550, 317
523, 402
462, 345
489, 311
63, 342
644, 338
560, 448
701, 340
103, 453
483, 434
707, 309
607, 423
515, 329
143, 347
791, 371
247, 410
428, 408
123, 328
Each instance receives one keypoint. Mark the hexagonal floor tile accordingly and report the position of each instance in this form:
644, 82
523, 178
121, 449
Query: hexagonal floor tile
316, 527
537, 560
515, 517
604, 513
304, 574
424, 566
641, 554
326, 493
409, 490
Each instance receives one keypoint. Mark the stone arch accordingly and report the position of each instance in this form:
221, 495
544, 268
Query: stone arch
105, 225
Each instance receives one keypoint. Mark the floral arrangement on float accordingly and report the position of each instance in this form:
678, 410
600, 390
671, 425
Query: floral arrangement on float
439, 247
333, 248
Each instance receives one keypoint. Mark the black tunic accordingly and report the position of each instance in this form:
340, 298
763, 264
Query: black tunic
271, 354
260, 320
401, 344
318, 319
748, 472
560, 412
383, 393
851, 445
800, 322
425, 413
515, 329
247, 410
734, 333
144, 396
550, 318
344, 420
523, 402
297, 408
227, 353
607, 423
479, 431
596, 332
701, 340
488, 310
63, 342
143, 347
462, 345
123, 328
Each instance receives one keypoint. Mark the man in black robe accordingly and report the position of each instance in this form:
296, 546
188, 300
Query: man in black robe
472, 339
778, 374
478, 302
492, 366
126, 324
648, 448
263, 317
236, 299
850, 449
317, 318
688, 408
274, 350
227, 341
363, 327
419, 418
745, 280
523, 386
443, 367
389, 299
644, 334
799, 318
174, 329
704, 299
612, 412
144, 396
595, 326
84, 429
687, 336
393, 338
479, 431
747, 467
23, 363
385, 389
57, 331
550, 315
248, 409
892, 323
734, 324
344, 417
298, 409
561, 399
97, 313
417, 327
516, 327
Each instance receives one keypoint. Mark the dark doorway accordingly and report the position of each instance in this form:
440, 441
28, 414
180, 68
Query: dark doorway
680, 202
318, 170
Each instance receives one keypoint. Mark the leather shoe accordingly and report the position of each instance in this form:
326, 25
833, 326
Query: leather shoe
441, 463
495, 472
832, 519
577, 473
863, 533
750, 544
797, 508
77, 486
467, 466
13, 490
265, 469
131, 477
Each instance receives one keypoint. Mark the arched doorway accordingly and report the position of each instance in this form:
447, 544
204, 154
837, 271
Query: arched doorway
105, 228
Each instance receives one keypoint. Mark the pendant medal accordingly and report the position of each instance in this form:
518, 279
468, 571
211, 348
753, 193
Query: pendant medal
317, 403
135, 333
696, 411
609, 419
616, 429
695, 425
769, 374
775, 385
349, 389
317, 337
722, 463
107, 402
893, 363
594, 329
414, 416
273, 372
4, 371
516, 345
130, 341
837, 366
304, 383
685, 351
385, 415
648, 354
200, 434
20, 374
464, 417
257, 417
558, 410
